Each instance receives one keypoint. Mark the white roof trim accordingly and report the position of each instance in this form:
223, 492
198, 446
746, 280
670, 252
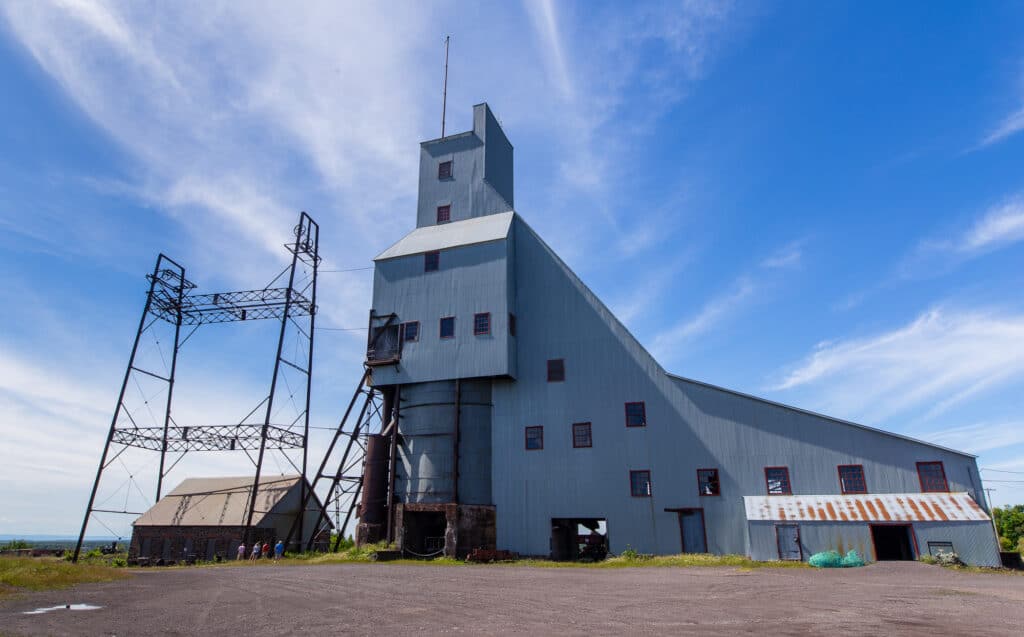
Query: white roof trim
451, 235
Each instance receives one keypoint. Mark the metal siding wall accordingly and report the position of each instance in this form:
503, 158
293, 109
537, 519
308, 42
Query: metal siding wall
974, 542
471, 279
690, 426
468, 193
475, 443
426, 454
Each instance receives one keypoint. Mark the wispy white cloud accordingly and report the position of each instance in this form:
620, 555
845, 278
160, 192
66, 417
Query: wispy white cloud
788, 257
712, 314
978, 437
939, 360
1010, 125
999, 227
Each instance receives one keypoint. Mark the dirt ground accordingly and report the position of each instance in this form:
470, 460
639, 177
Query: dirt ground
888, 598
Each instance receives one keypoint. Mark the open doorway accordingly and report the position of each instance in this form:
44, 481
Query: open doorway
579, 539
892, 542
423, 532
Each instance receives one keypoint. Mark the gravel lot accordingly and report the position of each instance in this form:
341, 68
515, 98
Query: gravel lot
905, 598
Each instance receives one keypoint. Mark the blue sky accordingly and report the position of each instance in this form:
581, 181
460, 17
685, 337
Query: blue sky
820, 203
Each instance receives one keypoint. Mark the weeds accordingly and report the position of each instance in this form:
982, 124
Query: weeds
41, 573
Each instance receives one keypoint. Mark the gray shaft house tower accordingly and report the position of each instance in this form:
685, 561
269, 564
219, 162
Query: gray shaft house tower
520, 414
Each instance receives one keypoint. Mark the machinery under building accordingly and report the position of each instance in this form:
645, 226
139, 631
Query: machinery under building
520, 414
205, 519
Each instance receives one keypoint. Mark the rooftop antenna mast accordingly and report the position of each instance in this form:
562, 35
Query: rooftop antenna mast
444, 95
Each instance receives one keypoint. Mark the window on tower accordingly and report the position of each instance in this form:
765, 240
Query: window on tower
636, 415
581, 437
448, 327
444, 170
431, 261
534, 438
482, 324
411, 331
444, 214
556, 370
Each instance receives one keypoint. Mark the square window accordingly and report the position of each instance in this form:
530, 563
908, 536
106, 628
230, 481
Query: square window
411, 331
444, 170
431, 261
851, 478
556, 370
444, 214
534, 438
933, 477
512, 324
581, 435
482, 324
707, 482
777, 479
636, 415
640, 484
448, 327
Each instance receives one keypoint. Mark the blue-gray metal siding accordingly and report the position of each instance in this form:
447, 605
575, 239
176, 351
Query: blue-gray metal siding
973, 541
481, 182
690, 426
471, 279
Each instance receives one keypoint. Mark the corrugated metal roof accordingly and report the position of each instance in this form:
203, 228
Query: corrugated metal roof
217, 501
451, 235
871, 507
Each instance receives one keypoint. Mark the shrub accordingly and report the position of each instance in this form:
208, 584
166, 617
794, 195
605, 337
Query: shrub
1005, 543
15, 545
948, 559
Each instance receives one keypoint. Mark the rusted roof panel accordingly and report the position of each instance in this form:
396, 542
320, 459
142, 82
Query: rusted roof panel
869, 507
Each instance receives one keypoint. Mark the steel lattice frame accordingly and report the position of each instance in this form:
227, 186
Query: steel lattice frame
171, 300
363, 416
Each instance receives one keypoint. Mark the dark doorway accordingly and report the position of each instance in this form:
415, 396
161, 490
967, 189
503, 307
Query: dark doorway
892, 542
692, 534
424, 533
579, 539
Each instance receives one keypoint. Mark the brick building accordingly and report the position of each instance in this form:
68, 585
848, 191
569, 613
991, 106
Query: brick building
204, 518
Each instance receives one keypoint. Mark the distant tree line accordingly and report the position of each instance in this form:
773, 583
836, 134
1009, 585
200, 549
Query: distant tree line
1010, 525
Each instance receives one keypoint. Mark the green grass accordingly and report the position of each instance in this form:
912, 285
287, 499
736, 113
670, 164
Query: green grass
19, 574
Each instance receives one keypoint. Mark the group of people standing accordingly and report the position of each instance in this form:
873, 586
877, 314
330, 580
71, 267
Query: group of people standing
263, 550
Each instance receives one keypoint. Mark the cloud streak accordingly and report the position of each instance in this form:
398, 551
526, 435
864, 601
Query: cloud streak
939, 360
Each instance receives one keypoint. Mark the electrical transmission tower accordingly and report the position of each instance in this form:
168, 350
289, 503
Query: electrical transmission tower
173, 312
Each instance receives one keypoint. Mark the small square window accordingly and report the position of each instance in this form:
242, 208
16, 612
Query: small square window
534, 438
581, 435
640, 484
636, 415
482, 324
851, 479
933, 477
777, 479
444, 170
444, 214
448, 327
556, 370
511, 324
411, 331
707, 482
431, 261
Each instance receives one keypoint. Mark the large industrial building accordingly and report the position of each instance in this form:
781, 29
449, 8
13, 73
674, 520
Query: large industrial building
529, 418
